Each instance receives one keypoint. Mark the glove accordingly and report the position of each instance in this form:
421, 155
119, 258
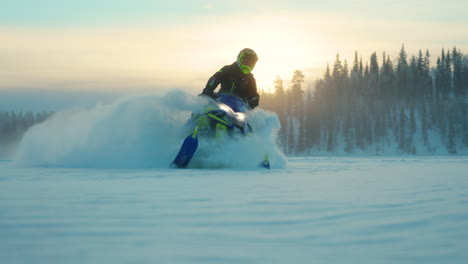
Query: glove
208, 93
253, 102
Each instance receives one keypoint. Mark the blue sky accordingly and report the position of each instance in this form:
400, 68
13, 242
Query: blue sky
91, 13
115, 12
124, 44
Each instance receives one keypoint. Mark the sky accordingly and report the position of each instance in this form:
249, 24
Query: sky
146, 45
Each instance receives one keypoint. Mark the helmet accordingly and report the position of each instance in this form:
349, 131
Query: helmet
246, 60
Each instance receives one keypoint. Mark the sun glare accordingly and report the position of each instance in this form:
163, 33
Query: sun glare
283, 45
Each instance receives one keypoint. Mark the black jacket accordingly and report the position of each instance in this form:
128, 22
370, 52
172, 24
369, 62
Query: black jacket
234, 82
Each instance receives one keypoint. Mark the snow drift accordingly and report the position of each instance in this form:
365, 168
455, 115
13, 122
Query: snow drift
142, 132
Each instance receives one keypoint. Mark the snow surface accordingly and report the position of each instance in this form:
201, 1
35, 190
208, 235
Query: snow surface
314, 210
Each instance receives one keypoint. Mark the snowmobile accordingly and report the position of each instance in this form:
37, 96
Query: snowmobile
221, 117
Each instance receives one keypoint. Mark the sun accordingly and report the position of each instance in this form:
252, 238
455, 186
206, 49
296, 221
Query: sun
283, 47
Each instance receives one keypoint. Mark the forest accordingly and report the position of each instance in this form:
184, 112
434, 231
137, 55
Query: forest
382, 106
13, 125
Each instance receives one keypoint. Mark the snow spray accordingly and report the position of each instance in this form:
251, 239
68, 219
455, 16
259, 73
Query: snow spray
142, 132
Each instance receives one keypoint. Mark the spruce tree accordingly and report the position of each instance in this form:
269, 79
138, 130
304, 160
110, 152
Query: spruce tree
402, 73
297, 95
457, 72
280, 107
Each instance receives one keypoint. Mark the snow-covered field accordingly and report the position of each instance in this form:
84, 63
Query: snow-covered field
94, 186
314, 210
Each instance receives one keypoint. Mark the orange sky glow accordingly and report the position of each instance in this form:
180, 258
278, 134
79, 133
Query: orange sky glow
185, 55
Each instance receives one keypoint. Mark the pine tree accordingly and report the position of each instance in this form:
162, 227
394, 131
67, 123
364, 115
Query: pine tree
412, 79
280, 108
402, 73
412, 130
374, 74
355, 76
345, 73
311, 126
355, 68
402, 136
451, 136
457, 72
297, 95
291, 137
465, 76
425, 128
337, 75
388, 79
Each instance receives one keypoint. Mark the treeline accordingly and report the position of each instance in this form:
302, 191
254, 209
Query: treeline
382, 106
13, 125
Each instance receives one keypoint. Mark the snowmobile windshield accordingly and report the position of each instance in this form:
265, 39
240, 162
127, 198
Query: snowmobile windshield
236, 104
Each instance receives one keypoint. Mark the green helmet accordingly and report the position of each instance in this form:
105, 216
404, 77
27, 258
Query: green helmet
246, 60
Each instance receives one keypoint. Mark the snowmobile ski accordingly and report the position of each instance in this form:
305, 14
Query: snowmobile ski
187, 150
265, 163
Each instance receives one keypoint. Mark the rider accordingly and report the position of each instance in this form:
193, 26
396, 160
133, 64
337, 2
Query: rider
236, 79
